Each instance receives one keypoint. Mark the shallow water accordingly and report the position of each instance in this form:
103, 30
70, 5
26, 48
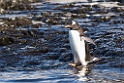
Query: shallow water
34, 44
64, 75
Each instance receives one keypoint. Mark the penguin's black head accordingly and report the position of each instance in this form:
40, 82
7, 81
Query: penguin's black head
73, 25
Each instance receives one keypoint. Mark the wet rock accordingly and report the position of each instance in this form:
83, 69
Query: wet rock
32, 32
17, 5
78, 16
117, 22
79, 11
117, 9
96, 20
38, 18
44, 14
52, 20
57, 14
22, 41
43, 49
37, 25
24, 32
120, 21
6, 40
67, 6
96, 6
122, 15
2, 11
18, 21
105, 18
122, 38
87, 6
121, 4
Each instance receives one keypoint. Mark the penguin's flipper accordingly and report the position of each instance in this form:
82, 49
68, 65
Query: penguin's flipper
88, 40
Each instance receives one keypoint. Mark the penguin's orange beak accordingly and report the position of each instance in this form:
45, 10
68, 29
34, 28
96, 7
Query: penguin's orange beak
67, 26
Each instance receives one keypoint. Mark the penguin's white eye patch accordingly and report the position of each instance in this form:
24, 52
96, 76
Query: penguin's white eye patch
73, 22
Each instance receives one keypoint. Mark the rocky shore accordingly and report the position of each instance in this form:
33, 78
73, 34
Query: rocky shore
33, 35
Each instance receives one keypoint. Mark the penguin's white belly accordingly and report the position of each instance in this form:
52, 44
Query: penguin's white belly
78, 47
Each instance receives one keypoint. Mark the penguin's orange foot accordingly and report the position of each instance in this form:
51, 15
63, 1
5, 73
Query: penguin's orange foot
73, 64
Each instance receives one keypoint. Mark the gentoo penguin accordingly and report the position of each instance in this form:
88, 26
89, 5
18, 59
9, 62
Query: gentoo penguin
78, 43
